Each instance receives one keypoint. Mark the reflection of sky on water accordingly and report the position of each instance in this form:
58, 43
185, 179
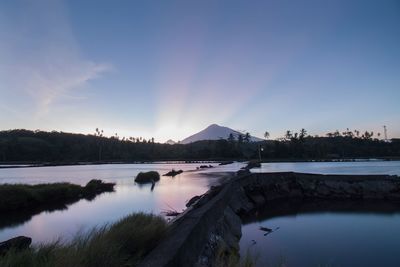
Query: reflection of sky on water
326, 239
169, 193
366, 167
130, 197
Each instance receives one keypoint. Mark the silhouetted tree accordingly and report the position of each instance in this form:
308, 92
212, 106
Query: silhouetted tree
99, 134
240, 138
231, 138
288, 135
303, 134
39, 146
266, 135
246, 137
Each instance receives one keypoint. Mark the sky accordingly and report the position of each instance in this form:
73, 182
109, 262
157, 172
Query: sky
168, 69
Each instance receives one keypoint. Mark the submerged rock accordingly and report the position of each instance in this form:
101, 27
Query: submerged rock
147, 177
192, 201
205, 166
225, 163
173, 173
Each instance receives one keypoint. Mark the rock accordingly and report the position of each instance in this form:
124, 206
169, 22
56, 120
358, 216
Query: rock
242, 172
257, 198
253, 164
240, 202
192, 201
226, 163
173, 173
205, 166
17, 243
147, 177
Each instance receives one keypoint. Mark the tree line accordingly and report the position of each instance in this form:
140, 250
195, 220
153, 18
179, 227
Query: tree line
40, 146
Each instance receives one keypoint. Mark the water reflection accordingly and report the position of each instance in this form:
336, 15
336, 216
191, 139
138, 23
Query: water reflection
322, 233
364, 167
108, 207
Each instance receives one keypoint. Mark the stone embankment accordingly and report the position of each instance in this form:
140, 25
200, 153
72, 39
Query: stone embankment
212, 221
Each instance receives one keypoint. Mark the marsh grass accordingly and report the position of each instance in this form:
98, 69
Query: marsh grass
21, 196
123, 243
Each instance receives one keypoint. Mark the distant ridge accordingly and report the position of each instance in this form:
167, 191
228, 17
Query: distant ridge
215, 132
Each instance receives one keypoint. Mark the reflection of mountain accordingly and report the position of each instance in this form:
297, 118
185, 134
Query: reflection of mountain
215, 132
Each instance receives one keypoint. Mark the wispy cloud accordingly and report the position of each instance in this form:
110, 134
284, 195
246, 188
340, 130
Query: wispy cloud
41, 60
57, 82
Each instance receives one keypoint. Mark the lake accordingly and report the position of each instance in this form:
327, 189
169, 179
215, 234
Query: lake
361, 235
351, 167
169, 193
328, 233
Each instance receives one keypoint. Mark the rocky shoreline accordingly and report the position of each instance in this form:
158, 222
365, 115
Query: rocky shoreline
213, 221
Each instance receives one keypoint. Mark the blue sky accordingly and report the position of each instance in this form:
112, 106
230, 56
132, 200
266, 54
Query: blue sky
167, 69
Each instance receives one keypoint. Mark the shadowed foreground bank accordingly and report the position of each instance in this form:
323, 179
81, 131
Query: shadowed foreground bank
123, 243
22, 197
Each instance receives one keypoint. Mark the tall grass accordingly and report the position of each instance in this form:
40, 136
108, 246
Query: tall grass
231, 258
123, 243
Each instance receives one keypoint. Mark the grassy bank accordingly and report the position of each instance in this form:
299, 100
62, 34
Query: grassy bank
123, 243
19, 197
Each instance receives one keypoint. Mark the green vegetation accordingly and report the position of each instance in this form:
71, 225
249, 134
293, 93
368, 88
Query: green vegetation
147, 177
23, 197
66, 148
123, 243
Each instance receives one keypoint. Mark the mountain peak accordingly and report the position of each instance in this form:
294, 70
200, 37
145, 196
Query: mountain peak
170, 142
214, 132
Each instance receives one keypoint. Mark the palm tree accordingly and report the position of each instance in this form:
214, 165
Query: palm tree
266, 135
240, 138
288, 135
303, 134
247, 137
99, 134
231, 138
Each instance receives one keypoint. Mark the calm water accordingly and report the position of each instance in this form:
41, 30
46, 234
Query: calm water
366, 167
169, 193
326, 234
356, 238
297, 234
